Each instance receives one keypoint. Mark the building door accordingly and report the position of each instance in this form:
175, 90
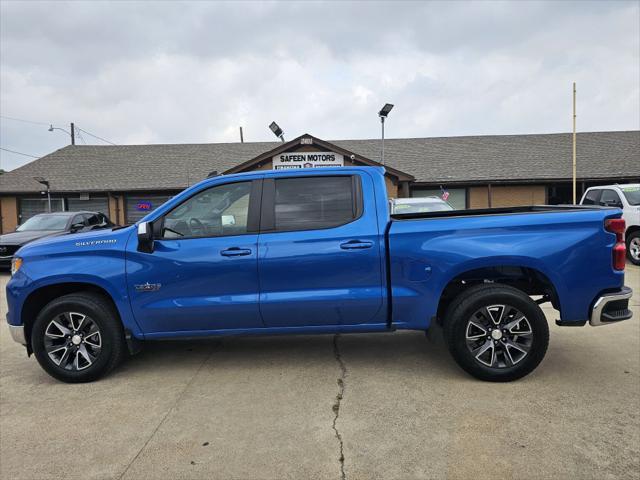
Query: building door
319, 252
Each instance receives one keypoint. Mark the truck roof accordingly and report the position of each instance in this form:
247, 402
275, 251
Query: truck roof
309, 171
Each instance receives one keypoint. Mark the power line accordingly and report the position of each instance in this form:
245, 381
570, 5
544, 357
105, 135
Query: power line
81, 137
23, 120
94, 136
19, 153
48, 124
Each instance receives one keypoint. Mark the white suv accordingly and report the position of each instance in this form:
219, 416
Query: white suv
626, 197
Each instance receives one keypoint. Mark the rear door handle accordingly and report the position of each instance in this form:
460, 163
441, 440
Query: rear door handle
235, 252
355, 245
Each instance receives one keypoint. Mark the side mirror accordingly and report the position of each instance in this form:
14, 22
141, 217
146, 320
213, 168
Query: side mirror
76, 227
145, 237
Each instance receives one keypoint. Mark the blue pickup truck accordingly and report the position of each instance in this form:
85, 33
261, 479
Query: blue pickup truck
316, 251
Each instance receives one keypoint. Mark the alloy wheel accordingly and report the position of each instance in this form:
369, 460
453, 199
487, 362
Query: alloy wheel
634, 248
499, 336
73, 341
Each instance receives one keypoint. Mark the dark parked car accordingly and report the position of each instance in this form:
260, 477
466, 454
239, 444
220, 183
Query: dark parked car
48, 225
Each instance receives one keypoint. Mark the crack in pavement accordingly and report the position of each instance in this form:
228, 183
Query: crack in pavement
336, 406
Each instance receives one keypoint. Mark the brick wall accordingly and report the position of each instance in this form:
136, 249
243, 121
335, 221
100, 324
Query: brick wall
507, 196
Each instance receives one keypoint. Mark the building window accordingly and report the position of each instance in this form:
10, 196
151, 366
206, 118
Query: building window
28, 207
90, 204
457, 196
137, 207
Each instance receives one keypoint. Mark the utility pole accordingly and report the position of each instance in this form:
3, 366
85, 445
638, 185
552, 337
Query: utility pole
383, 113
241, 136
73, 134
574, 143
382, 151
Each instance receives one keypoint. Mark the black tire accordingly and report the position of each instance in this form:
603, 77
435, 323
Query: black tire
457, 328
633, 237
103, 317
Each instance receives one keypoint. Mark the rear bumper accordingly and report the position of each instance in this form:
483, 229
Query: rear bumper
611, 308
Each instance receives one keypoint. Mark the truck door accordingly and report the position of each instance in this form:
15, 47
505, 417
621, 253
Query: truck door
320, 252
202, 274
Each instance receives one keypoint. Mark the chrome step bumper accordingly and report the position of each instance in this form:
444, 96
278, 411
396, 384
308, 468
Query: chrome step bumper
611, 308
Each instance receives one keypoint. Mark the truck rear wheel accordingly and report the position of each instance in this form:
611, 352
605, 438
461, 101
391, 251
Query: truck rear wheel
78, 338
496, 332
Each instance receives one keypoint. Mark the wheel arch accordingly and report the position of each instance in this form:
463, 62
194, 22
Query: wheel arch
530, 280
632, 229
39, 298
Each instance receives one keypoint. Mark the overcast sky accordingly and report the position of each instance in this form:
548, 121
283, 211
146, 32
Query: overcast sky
182, 72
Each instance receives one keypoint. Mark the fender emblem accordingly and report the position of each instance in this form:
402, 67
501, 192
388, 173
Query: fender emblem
148, 287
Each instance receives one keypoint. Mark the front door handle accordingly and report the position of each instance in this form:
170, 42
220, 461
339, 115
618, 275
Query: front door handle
235, 252
355, 245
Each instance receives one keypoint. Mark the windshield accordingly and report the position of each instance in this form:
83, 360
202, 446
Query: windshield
632, 194
44, 222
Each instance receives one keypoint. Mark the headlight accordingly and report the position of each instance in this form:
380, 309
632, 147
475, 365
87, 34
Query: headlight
16, 263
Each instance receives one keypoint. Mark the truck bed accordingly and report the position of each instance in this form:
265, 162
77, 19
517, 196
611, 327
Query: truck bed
498, 211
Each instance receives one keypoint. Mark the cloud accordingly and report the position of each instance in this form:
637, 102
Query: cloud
173, 72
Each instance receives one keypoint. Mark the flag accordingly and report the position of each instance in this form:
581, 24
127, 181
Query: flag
443, 194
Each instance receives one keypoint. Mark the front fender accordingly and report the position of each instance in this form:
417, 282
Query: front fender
103, 268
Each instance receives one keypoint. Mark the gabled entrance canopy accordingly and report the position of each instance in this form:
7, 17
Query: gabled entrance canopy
306, 146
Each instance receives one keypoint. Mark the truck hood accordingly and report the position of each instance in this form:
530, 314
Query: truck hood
21, 238
77, 242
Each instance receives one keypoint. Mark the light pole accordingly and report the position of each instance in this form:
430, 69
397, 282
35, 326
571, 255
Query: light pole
383, 113
72, 133
277, 131
46, 184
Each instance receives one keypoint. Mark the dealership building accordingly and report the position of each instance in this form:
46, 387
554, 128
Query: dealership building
128, 181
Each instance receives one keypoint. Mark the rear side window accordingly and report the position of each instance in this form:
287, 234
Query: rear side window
592, 197
314, 202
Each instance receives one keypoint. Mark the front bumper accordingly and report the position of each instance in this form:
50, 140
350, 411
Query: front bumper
611, 308
5, 261
17, 333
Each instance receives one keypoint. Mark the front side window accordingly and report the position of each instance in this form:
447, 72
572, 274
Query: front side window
215, 212
313, 202
610, 197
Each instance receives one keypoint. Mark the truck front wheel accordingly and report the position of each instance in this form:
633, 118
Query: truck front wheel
78, 338
496, 332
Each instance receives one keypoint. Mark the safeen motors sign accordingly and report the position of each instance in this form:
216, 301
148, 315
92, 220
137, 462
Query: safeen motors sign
307, 160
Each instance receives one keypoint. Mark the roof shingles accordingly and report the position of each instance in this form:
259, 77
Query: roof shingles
431, 160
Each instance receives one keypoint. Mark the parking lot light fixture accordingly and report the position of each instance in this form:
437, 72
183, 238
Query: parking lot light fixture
44, 182
277, 131
383, 113
72, 133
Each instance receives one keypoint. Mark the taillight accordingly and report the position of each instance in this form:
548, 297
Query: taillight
619, 253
